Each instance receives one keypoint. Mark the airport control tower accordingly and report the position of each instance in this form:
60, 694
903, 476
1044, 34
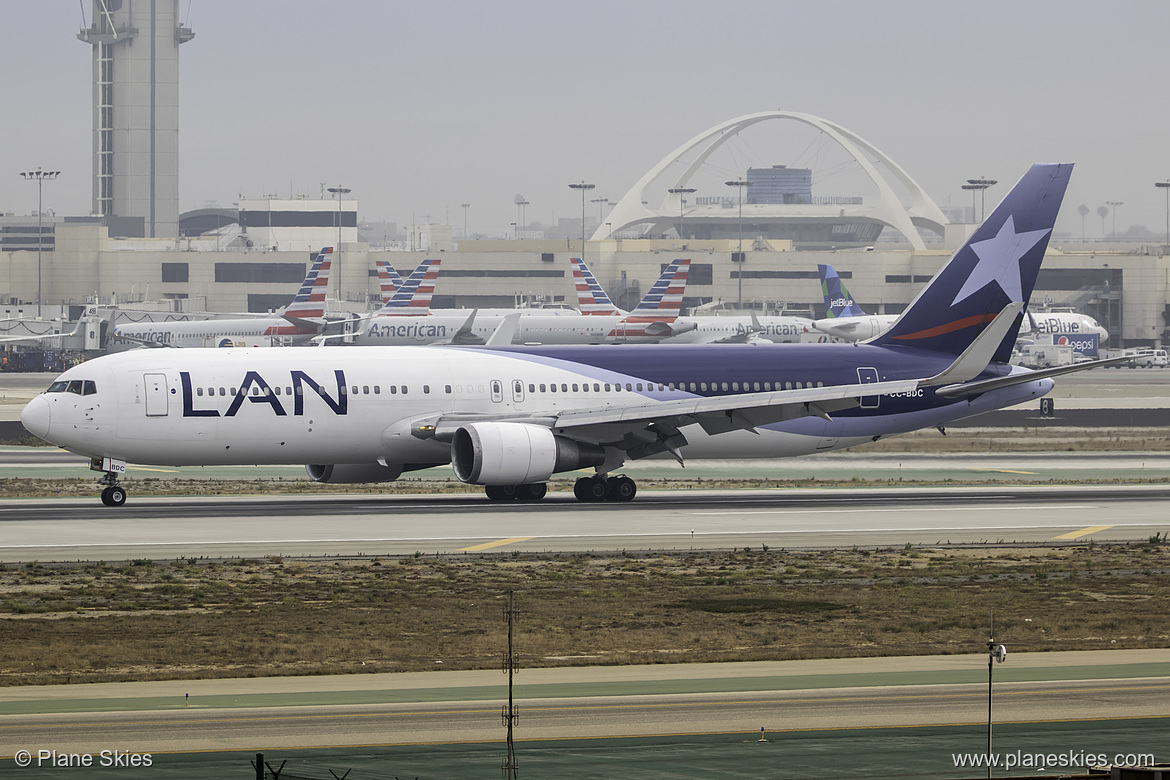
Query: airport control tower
136, 110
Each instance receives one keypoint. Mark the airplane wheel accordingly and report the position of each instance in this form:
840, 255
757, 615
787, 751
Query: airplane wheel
501, 492
533, 492
114, 496
621, 489
590, 489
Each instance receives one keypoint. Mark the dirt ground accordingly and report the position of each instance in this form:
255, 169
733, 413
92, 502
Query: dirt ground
196, 618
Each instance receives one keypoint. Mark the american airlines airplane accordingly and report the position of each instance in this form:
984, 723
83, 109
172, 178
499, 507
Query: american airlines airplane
296, 323
654, 318
847, 321
509, 418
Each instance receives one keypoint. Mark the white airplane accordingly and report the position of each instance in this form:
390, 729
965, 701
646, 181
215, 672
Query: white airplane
655, 318
509, 418
847, 321
742, 329
296, 323
1055, 324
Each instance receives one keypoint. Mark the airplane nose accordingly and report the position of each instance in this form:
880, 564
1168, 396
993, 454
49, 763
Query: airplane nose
35, 417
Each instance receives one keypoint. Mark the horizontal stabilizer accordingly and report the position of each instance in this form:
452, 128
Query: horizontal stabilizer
974, 388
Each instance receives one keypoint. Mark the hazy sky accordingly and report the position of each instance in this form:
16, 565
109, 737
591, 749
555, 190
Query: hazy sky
419, 107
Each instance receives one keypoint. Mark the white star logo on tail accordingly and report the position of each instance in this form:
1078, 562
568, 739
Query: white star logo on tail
999, 261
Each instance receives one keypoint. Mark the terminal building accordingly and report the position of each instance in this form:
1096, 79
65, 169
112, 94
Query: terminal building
135, 252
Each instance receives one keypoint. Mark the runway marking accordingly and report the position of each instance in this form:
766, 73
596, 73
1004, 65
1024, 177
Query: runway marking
1007, 471
1083, 532
895, 510
497, 543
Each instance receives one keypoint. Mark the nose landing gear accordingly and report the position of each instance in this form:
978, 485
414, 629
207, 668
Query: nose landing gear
113, 494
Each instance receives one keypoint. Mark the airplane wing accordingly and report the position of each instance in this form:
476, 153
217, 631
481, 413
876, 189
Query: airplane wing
651, 427
17, 339
975, 388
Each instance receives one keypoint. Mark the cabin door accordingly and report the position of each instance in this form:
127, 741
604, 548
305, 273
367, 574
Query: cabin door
867, 376
156, 395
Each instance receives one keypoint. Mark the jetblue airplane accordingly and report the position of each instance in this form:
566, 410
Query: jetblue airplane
508, 418
296, 323
846, 320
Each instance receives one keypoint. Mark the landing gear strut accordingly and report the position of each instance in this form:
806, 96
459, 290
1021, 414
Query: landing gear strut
599, 488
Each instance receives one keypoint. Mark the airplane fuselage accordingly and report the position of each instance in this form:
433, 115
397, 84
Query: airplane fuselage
360, 405
250, 332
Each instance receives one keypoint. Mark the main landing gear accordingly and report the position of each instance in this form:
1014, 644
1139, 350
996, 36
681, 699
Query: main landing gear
589, 489
533, 492
599, 488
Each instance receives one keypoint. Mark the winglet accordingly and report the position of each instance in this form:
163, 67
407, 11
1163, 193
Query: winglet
505, 331
975, 357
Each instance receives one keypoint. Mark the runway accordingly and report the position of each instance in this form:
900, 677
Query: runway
82, 529
584, 703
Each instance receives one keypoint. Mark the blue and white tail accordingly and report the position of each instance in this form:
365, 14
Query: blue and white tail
664, 300
413, 297
997, 266
838, 301
388, 280
309, 301
591, 298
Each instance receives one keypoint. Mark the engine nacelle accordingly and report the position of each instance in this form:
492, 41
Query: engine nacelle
504, 453
351, 473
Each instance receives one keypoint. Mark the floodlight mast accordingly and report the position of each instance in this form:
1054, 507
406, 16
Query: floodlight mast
584, 188
40, 176
340, 192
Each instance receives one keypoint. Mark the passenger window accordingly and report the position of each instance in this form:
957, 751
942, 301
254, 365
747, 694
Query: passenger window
574, 387
552, 388
199, 391
378, 390
531, 388
365, 389
564, 388
725, 387
448, 389
734, 386
542, 388
393, 389
597, 387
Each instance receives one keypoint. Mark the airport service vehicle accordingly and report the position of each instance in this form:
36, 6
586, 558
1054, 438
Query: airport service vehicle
509, 418
296, 323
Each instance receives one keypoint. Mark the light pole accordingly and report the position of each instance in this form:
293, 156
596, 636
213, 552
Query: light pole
1165, 187
466, 206
682, 192
39, 176
600, 203
584, 188
1115, 204
339, 192
979, 185
739, 184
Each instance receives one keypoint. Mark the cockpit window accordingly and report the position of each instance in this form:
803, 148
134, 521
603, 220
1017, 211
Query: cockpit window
78, 386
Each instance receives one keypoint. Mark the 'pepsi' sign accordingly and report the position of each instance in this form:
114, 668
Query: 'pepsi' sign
1082, 343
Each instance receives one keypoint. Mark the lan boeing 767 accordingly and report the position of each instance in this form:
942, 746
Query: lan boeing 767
510, 417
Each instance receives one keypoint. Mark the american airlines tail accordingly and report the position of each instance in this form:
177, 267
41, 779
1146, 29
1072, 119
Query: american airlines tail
838, 301
413, 297
591, 298
996, 267
309, 302
664, 300
388, 280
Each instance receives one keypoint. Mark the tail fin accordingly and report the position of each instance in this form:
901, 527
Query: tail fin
591, 298
664, 300
310, 299
413, 296
388, 280
838, 301
997, 266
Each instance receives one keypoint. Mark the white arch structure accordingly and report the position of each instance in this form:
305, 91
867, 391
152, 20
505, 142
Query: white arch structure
923, 212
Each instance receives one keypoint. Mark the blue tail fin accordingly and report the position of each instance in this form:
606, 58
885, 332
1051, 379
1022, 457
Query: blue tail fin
838, 301
997, 266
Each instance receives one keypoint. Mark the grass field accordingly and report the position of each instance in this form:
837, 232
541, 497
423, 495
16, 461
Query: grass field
197, 618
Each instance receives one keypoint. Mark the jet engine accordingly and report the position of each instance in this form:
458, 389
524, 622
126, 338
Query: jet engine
350, 473
505, 453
